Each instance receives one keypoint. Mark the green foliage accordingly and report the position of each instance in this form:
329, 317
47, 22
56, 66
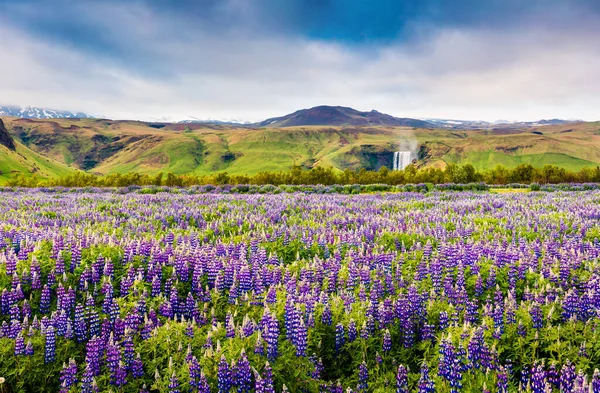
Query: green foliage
454, 177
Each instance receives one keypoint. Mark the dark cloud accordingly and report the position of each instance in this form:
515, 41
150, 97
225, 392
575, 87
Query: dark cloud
258, 58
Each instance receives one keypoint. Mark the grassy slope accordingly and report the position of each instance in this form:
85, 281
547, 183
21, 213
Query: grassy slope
119, 147
26, 162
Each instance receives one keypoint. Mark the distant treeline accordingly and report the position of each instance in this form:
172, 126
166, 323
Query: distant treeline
462, 174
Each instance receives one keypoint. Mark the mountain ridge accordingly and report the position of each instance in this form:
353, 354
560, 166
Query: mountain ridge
31, 112
322, 115
325, 115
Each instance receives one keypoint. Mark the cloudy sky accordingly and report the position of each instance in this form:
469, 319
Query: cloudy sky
253, 59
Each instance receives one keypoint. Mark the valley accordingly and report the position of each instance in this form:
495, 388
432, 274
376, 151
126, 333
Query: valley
51, 147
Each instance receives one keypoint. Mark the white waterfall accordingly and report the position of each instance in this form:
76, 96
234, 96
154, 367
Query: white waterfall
401, 160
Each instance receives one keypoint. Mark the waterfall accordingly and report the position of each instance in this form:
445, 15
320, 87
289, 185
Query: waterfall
401, 160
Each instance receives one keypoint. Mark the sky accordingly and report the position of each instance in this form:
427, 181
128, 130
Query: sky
254, 59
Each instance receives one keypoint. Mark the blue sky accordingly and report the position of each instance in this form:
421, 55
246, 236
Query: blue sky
252, 59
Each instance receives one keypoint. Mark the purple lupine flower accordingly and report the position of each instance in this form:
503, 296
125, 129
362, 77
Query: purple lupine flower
120, 375
93, 354
230, 326
567, 377
352, 332
271, 295
536, 316
449, 365
271, 337
195, 371
128, 351
363, 377
155, 290
19, 345
339, 336
174, 384
301, 338
259, 385
137, 367
189, 330
364, 332
443, 320
242, 374
259, 347
146, 329
87, 380
525, 376
267, 379
224, 376
114, 363
427, 332
479, 353
521, 330
581, 385
596, 381
570, 305
290, 320
26, 309
68, 375
426, 384
45, 300
552, 376
50, 346
318, 364
202, 384
538, 381
401, 380
80, 324
247, 326
502, 383
387, 341
326, 316
29, 348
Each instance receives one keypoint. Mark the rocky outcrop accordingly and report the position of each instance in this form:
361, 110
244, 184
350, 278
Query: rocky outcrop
5, 138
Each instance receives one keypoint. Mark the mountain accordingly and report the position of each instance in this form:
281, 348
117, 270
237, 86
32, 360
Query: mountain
237, 123
340, 116
5, 139
40, 113
556, 121
478, 124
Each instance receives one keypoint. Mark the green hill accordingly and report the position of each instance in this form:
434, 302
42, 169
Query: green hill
55, 147
28, 163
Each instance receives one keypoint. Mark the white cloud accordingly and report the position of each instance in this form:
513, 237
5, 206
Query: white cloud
187, 71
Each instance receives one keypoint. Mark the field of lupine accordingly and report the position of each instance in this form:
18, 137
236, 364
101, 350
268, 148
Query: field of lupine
398, 292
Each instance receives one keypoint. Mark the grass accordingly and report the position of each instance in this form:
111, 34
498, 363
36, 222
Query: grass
28, 163
489, 159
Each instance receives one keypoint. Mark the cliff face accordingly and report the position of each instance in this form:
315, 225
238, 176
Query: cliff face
5, 138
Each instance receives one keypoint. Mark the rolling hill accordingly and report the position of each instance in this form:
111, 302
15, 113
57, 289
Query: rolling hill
52, 147
17, 159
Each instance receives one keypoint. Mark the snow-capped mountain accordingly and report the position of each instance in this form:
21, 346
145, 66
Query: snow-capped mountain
477, 124
231, 122
40, 113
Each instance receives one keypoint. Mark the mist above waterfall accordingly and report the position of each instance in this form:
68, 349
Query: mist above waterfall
408, 142
406, 153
